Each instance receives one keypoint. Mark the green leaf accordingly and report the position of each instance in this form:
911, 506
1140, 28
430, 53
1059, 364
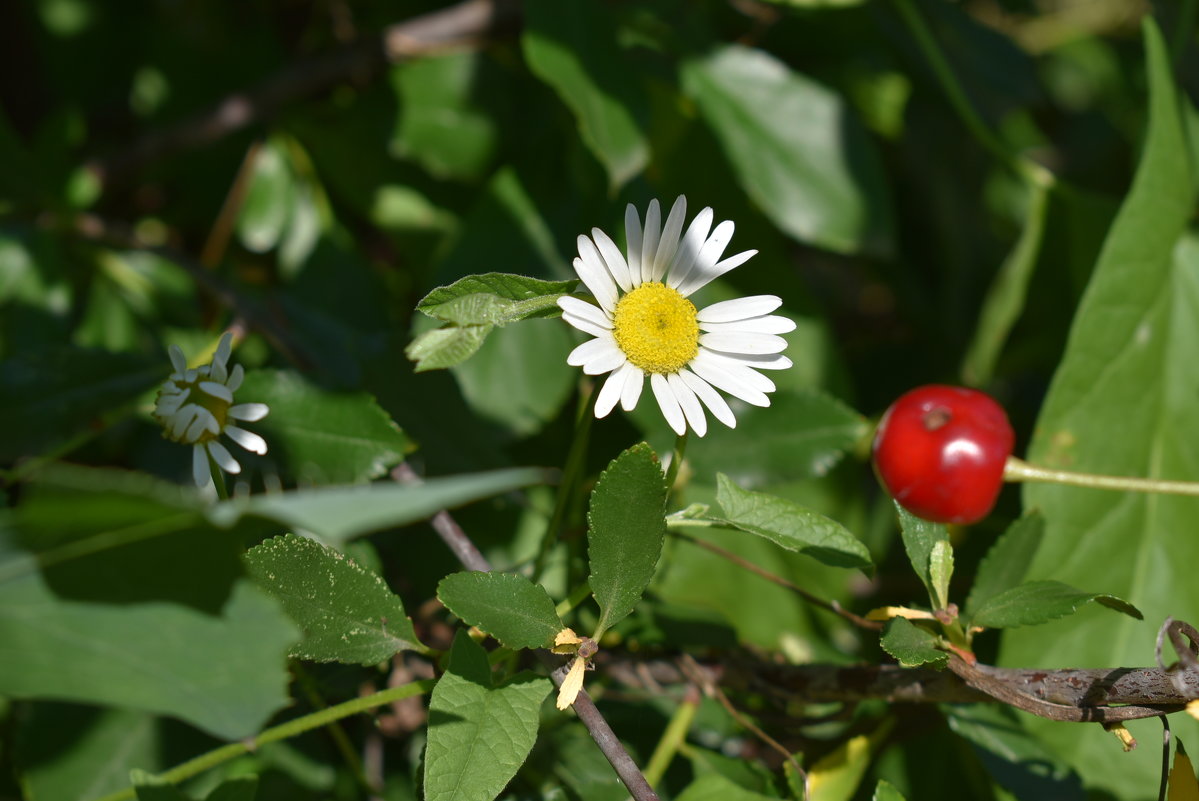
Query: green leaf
625, 527
1005, 298
239, 788
797, 149
336, 514
514, 610
1122, 402
573, 49
1039, 602
716, 787
479, 736
268, 202
50, 395
496, 298
347, 613
790, 526
1006, 564
885, 791
446, 346
940, 571
920, 537
911, 645
323, 437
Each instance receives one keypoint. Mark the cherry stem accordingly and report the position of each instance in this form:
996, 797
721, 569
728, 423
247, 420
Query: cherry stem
1018, 470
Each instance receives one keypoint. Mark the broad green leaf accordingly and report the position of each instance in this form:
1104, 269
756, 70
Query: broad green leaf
440, 124
796, 147
49, 396
837, 775
885, 791
514, 610
336, 514
573, 48
804, 436
1016, 759
940, 571
83, 752
919, 538
790, 526
495, 298
1005, 299
239, 788
323, 437
268, 202
446, 346
625, 527
1039, 602
479, 735
582, 767
1006, 564
911, 645
1122, 402
716, 787
1182, 785
347, 613
157, 657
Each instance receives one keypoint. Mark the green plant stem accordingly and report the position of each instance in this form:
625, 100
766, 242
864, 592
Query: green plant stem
218, 478
672, 738
291, 728
1029, 170
1019, 470
571, 474
580, 594
344, 746
676, 461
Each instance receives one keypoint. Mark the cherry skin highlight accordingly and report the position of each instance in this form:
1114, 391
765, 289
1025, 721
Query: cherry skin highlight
940, 451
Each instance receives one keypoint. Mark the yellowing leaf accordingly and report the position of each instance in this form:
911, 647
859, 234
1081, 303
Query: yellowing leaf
1182, 786
572, 684
836, 776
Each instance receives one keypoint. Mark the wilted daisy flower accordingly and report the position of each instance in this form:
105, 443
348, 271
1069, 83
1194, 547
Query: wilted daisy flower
195, 406
645, 324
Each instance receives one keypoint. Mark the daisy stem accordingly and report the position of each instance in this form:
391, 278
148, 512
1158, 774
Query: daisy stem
1019, 470
676, 460
218, 479
571, 473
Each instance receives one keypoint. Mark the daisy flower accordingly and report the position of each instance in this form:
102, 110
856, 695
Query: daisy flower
645, 325
195, 406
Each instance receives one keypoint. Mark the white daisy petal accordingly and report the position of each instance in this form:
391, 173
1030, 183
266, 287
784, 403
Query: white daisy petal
736, 341
670, 238
177, 359
668, 403
605, 361
689, 248
689, 404
707, 256
249, 412
609, 393
224, 459
236, 376
217, 390
581, 309
613, 258
726, 380
632, 235
650, 239
200, 472
224, 348
198, 426
598, 282
770, 362
247, 439
740, 367
633, 383
770, 324
586, 325
182, 420
590, 349
711, 398
700, 278
727, 311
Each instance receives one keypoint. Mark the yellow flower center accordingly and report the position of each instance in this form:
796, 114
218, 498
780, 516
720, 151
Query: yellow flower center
656, 328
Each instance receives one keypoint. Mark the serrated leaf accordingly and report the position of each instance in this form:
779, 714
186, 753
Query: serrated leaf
790, 526
1006, 564
940, 571
446, 346
1182, 786
911, 645
716, 787
796, 147
573, 48
495, 298
479, 736
625, 528
323, 437
919, 538
885, 791
336, 514
514, 610
1039, 602
347, 613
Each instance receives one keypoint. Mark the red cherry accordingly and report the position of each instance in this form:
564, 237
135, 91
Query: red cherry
940, 452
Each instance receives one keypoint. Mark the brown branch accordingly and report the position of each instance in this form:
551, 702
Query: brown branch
461, 25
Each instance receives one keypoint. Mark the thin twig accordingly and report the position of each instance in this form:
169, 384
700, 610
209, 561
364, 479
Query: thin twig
830, 606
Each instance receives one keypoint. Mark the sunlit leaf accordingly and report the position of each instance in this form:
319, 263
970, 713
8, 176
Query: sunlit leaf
1039, 602
920, 537
911, 645
1006, 564
514, 610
